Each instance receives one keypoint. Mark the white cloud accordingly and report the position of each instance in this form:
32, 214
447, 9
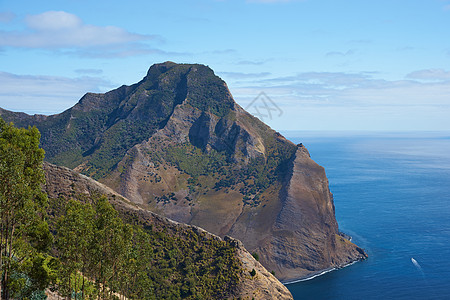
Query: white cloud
339, 53
62, 30
54, 21
430, 74
346, 101
31, 93
355, 89
240, 75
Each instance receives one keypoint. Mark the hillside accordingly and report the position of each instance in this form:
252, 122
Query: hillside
177, 144
63, 183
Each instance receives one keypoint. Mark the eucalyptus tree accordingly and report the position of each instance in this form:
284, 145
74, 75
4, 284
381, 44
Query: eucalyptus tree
74, 235
23, 232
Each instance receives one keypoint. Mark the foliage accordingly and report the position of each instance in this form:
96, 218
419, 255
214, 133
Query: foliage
194, 161
256, 256
23, 232
257, 175
96, 135
74, 236
96, 253
207, 92
151, 263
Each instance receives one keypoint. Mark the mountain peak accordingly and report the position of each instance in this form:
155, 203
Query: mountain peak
176, 143
157, 69
169, 66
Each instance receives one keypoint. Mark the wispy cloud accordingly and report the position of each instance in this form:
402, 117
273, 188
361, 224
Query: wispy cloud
240, 75
30, 93
405, 48
66, 32
339, 53
354, 100
350, 89
253, 62
430, 74
6, 17
89, 71
225, 51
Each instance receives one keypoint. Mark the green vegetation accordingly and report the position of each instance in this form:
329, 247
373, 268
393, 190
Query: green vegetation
218, 167
262, 173
97, 133
101, 128
87, 250
207, 92
136, 261
24, 234
194, 161
115, 142
256, 256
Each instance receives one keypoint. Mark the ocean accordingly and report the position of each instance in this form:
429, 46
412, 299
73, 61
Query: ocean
392, 195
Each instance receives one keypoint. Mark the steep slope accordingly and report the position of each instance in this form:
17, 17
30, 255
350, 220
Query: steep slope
98, 131
63, 183
176, 143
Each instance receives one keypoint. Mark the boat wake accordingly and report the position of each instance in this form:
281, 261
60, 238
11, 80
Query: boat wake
418, 266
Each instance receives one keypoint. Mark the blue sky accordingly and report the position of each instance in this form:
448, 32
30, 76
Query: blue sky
325, 64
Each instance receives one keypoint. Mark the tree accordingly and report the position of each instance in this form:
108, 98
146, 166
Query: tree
109, 249
73, 239
22, 230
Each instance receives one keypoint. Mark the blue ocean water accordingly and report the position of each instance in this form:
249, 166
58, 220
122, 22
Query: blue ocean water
392, 194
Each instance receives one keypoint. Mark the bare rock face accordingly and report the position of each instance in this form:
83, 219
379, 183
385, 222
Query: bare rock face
63, 182
177, 144
261, 285
305, 227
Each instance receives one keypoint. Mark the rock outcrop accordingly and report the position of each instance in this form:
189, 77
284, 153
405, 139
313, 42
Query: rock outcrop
177, 144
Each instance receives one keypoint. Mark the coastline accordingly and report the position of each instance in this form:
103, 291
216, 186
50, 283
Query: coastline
319, 273
324, 271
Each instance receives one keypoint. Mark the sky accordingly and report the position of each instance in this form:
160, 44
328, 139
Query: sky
297, 65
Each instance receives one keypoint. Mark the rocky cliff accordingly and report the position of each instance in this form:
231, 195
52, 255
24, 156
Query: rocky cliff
62, 183
177, 144
305, 226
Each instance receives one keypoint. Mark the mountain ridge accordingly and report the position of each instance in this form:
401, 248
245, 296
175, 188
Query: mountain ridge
176, 143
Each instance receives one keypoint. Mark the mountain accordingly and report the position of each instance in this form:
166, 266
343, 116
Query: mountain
63, 183
177, 144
